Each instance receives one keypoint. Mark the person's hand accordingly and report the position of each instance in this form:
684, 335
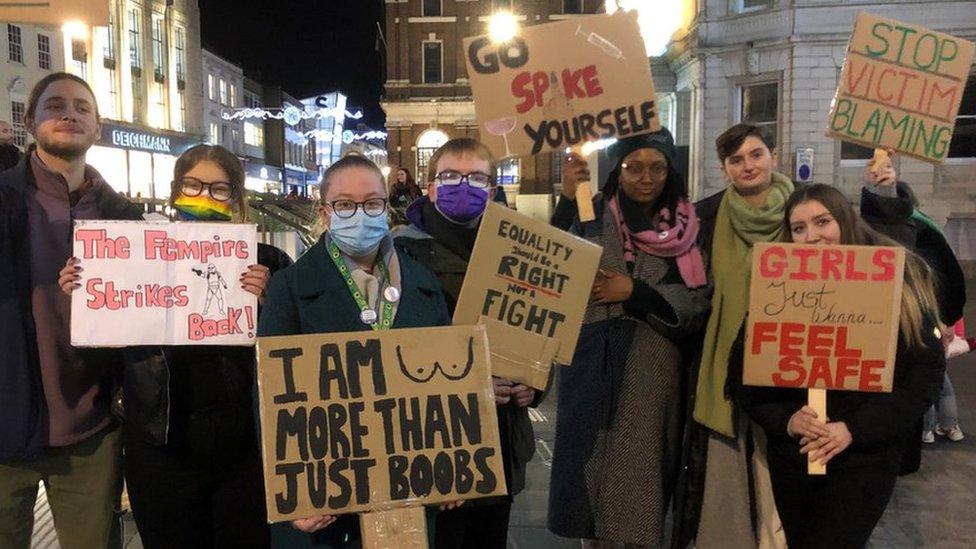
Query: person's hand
825, 448
883, 175
523, 395
311, 525
611, 287
68, 276
255, 280
575, 171
451, 505
503, 390
805, 424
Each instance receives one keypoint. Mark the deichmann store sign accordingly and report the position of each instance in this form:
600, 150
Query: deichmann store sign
123, 137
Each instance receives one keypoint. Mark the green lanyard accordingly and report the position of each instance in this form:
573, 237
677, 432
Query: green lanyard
386, 320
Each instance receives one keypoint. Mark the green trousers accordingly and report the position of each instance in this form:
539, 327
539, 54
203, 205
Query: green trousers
83, 483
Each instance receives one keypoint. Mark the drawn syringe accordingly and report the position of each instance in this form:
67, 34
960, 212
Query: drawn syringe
605, 45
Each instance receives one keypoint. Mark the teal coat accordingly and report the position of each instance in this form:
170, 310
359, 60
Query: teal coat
310, 297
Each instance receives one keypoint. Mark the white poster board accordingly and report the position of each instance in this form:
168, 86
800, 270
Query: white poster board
162, 283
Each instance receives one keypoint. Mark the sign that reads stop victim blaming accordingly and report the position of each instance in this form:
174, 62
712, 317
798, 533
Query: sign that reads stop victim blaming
372, 420
900, 88
561, 84
823, 317
149, 283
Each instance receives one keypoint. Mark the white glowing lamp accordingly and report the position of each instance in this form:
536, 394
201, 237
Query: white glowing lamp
75, 29
385, 170
657, 20
502, 27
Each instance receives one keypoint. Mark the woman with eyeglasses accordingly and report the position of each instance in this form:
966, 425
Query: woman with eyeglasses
618, 431
192, 455
352, 279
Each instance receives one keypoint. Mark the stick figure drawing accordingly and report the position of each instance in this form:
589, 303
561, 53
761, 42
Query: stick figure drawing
214, 283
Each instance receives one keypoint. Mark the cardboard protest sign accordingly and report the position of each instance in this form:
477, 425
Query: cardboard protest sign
148, 283
518, 355
561, 84
900, 87
55, 12
371, 420
530, 275
823, 317
394, 529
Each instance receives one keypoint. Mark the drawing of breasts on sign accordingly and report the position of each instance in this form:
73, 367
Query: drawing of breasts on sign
823, 317
900, 88
162, 283
373, 420
531, 276
561, 84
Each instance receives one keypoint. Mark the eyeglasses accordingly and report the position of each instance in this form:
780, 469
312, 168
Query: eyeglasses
221, 191
637, 169
344, 209
478, 180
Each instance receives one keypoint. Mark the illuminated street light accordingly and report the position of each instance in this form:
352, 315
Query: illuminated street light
657, 22
75, 29
385, 170
502, 27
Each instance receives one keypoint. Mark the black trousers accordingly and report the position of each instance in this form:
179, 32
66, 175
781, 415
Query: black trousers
473, 526
836, 511
179, 500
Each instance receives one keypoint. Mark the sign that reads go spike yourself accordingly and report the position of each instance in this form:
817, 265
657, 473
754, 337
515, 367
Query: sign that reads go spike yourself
562, 84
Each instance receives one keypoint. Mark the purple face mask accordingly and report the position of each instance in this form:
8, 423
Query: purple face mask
461, 203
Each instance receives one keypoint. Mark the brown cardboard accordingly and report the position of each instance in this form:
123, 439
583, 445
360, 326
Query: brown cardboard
566, 82
878, 160
370, 378
900, 87
530, 275
394, 529
518, 355
823, 317
55, 12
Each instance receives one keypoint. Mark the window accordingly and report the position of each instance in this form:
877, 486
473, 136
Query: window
15, 48
108, 52
223, 92
181, 121
253, 134
507, 172
180, 48
556, 168
213, 134
572, 6
44, 51
158, 118
431, 8
237, 137
427, 143
963, 144
210, 86
251, 100
759, 105
17, 111
135, 49
432, 63
746, 6
233, 96
137, 100
112, 89
158, 49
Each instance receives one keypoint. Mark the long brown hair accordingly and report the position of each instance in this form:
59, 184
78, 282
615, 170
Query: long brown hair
227, 162
918, 294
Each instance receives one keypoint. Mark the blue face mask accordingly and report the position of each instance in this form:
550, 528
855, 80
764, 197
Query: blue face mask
360, 234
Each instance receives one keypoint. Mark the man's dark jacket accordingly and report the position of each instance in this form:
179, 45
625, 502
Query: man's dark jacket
23, 411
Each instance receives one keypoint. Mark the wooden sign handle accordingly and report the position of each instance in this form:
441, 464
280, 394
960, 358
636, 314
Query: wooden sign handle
404, 528
584, 202
817, 399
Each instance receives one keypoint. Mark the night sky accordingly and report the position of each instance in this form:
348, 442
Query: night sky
305, 46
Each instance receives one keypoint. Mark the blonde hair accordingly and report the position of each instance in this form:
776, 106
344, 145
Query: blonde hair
458, 147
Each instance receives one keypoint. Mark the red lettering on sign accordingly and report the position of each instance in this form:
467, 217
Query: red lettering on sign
773, 262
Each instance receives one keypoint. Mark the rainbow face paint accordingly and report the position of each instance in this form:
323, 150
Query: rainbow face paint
203, 208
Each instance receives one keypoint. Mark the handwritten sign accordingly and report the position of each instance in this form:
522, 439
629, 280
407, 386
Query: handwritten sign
55, 12
562, 84
372, 420
146, 283
530, 275
900, 88
823, 317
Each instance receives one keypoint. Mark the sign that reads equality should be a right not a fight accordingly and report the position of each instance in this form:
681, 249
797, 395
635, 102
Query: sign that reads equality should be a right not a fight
900, 88
823, 317
561, 84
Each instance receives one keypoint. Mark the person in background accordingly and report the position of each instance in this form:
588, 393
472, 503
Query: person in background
9, 153
192, 455
441, 234
862, 440
403, 191
56, 425
618, 430
318, 294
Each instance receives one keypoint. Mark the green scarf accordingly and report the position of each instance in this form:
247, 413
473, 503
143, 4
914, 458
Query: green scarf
917, 214
737, 227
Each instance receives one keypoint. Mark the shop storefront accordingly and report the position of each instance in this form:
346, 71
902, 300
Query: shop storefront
304, 183
138, 161
262, 178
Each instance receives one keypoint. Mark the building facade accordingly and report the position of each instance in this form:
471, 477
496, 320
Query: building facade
28, 53
427, 95
223, 90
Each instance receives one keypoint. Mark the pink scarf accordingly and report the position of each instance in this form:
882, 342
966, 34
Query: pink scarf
677, 240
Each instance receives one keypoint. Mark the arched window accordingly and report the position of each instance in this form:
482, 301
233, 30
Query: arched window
427, 143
